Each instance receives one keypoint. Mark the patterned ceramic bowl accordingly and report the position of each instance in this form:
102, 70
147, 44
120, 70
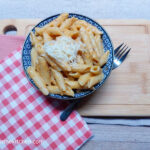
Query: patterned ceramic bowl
26, 56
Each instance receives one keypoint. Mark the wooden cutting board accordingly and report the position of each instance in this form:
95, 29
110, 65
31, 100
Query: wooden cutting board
127, 90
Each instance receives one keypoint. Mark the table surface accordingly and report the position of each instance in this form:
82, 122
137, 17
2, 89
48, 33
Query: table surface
116, 137
106, 137
102, 9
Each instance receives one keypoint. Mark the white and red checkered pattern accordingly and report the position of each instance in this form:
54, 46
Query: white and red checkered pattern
25, 114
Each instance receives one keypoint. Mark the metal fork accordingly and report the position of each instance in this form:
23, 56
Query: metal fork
120, 53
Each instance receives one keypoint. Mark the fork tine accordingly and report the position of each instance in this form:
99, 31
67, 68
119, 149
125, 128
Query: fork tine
123, 52
125, 55
120, 51
116, 50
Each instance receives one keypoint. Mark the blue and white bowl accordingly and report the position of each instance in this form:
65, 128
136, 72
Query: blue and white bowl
26, 56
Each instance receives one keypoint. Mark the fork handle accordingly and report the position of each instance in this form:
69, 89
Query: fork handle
114, 66
65, 114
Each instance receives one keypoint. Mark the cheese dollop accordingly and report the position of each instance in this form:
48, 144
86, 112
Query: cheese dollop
62, 49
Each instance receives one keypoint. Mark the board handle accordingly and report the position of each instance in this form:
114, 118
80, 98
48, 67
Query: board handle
21, 27
10, 28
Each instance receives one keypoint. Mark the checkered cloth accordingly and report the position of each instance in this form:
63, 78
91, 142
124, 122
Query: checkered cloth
29, 118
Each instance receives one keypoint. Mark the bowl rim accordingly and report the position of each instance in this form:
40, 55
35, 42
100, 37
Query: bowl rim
68, 97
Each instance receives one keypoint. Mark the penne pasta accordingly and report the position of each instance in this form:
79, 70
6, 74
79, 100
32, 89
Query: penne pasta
51, 63
67, 32
99, 44
88, 26
93, 41
69, 91
104, 58
86, 39
37, 80
74, 74
46, 37
54, 31
39, 49
67, 23
55, 23
94, 30
72, 34
54, 89
94, 80
52, 79
39, 31
43, 70
95, 70
75, 27
83, 79
80, 68
59, 20
34, 56
81, 23
59, 80
63, 65
86, 58
33, 38
73, 84
39, 38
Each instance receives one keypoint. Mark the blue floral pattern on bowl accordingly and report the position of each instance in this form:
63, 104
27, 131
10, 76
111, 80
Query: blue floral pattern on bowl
26, 57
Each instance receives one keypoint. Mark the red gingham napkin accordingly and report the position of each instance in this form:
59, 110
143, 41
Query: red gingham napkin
28, 120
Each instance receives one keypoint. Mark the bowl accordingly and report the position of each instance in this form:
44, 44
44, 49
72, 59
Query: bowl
26, 56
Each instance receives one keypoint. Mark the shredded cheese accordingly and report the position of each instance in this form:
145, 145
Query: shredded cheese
63, 49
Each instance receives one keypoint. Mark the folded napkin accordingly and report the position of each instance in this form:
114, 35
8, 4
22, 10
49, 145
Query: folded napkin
29, 120
9, 43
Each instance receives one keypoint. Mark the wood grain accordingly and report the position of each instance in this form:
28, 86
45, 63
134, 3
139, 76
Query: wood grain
97, 145
110, 137
127, 90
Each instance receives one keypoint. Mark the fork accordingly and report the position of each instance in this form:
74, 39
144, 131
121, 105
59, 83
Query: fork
120, 53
